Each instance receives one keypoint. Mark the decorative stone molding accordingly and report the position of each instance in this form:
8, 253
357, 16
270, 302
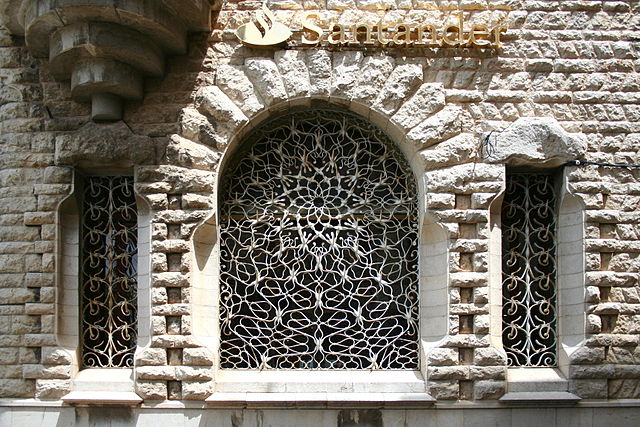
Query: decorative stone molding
534, 141
106, 47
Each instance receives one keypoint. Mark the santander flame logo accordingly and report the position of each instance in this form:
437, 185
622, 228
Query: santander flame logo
268, 32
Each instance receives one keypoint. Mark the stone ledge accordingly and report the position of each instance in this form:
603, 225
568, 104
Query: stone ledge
536, 398
102, 398
319, 400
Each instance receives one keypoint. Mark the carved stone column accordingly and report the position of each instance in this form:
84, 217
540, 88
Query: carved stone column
106, 47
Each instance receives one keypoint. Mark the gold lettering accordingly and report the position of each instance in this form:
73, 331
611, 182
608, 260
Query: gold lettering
308, 26
496, 35
342, 37
402, 37
476, 36
381, 39
454, 29
434, 34
355, 32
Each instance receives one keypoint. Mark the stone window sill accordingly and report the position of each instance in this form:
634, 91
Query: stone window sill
537, 385
537, 398
319, 400
103, 387
341, 382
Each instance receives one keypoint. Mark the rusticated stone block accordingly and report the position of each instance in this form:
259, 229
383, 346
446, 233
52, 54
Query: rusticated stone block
51, 388
444, 390
488, 389
151, 357
196, 390
589, 389
151, 390
624, 389
197, 357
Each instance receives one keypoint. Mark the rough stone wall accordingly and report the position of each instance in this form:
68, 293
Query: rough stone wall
575, 61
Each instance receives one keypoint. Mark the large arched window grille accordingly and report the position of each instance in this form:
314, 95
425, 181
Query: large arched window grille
319, 248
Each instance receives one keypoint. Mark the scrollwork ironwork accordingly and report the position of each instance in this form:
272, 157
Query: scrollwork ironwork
108, 287
529, 270
319, 249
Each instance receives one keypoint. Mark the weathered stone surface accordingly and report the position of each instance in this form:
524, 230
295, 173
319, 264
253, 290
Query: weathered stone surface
345, 72
428, 99
55, 356
197, 357
488, 389
151, 357
294, 72
104, 145
402, 82
180, 180
151, 390
624, 389
589, 389
186, 153
212, 101
265, 76
444, 390
374, 72
196, 127
196, 390
455, 178
535, 140
443, 357
156, 373
454, 151
319, 63
52, 389
444, 124
236, 85
489, 356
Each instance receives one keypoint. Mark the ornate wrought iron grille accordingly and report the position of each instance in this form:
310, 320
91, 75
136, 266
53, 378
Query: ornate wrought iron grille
319, 249
108, 288
529, 270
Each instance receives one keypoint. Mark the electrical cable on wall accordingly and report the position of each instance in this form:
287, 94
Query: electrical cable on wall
578, 162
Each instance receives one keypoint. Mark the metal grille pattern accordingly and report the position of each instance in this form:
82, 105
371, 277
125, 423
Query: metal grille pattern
319, 249
108, 287
529, 270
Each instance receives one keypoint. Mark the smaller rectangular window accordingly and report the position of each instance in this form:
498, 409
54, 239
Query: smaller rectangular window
108, 276
529, 318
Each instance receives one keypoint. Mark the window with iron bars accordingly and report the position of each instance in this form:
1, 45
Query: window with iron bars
319, 249
108, 277
529, 312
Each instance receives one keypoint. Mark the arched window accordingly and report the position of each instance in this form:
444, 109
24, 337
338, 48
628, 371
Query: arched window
529, 313
319, 248
108, 272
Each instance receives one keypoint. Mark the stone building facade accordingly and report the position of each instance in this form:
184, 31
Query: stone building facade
165, 92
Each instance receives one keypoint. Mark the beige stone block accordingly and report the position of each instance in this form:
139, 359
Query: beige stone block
373, 74
156, 373
266, 78
197, 357
232, 80
344, 73
443, 357
444, 390
589, 388
294, 72
196, 390
51, 389
151, 357
404, 80
55, 356
151, 390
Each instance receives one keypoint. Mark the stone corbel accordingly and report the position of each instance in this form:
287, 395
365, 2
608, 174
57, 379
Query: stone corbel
106, 47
